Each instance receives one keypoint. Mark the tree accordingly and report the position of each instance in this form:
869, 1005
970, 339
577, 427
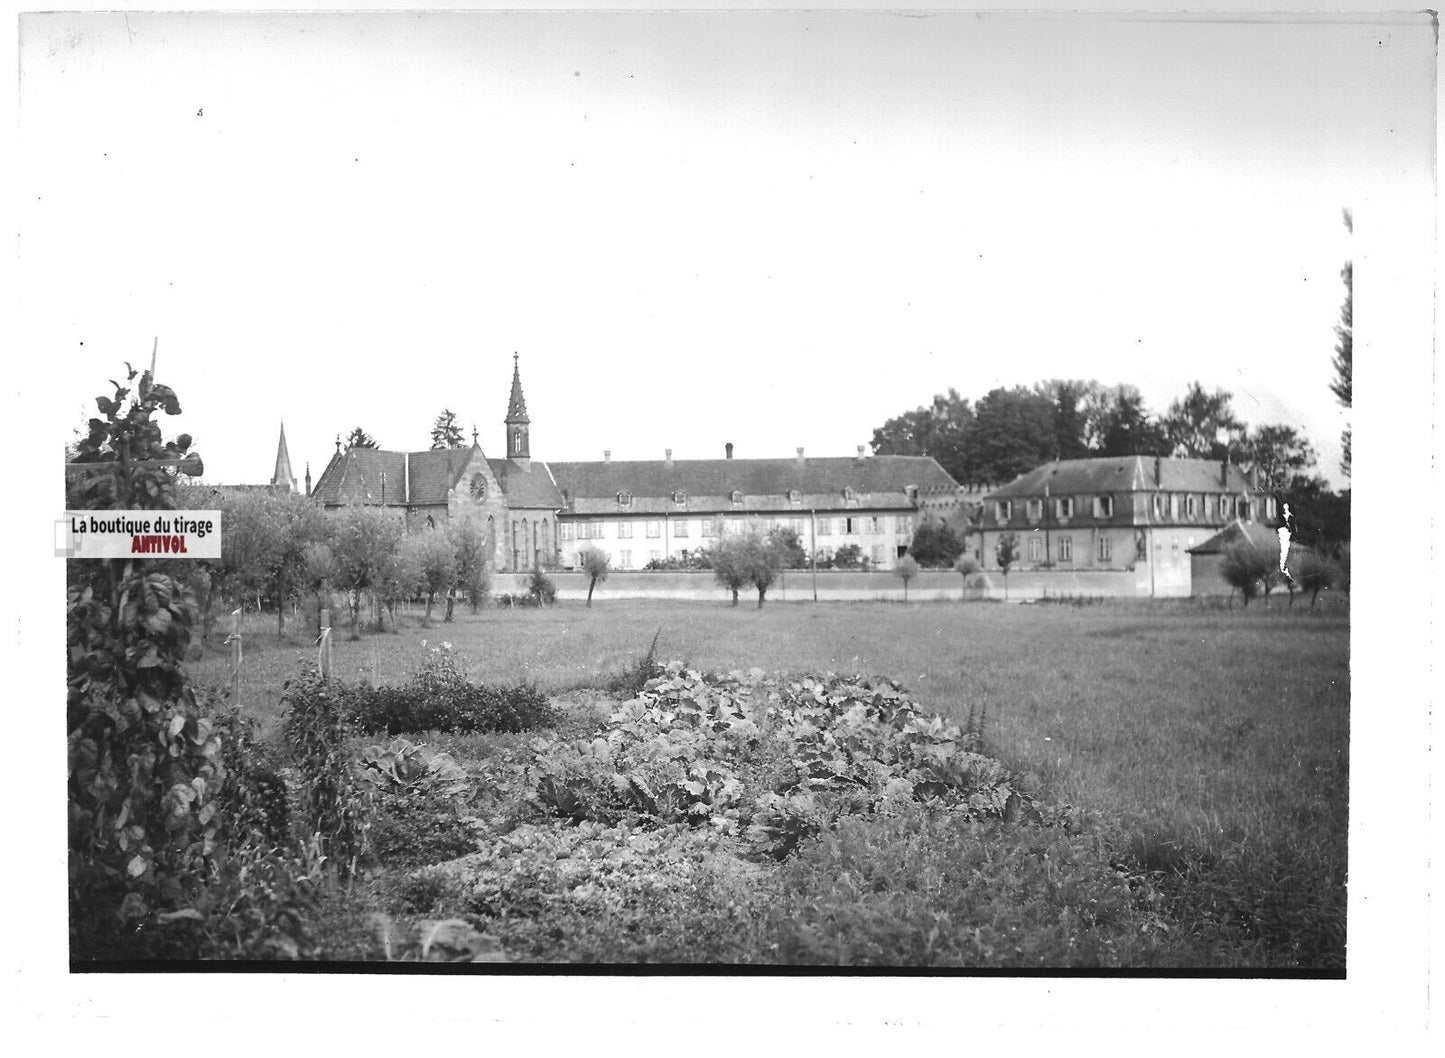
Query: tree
906, 570
445, 433
1007, 553
359, 438
763, 562
263, 545
400, 577
934, 544
364, 542
318, 565
1343, 387
1012, 432
1125, 427
436, 560
849, 556
966, 566
939, 431
790, 550
1313, 572
1280, 458
473, 570
1245, 567
596, 565
730, 563
1069, 400
1194, 424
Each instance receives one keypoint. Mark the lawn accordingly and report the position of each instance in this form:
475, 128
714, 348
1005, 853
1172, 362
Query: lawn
1204, 752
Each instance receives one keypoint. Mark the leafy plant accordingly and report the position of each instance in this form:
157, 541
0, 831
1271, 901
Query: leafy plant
542, 588
337, 804
144, 761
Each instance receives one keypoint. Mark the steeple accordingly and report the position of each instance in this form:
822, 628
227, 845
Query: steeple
283, 480
518, 425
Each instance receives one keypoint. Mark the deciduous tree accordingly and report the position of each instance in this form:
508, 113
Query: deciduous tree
906, 569
435, 556
364, 542
1006, 553
1200, 424
473, 566
596, 565
935, 545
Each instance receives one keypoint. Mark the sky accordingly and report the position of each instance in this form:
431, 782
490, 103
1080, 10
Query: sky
771, 229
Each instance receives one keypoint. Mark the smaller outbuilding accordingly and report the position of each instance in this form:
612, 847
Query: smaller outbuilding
1207, 559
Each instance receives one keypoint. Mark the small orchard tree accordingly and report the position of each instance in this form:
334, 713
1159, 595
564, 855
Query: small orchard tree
763, 562
1245, 568
730, 564
596, 565
1313, 572
445, 433
365, 543
436, 562
1007, 553
318, 564
906, 570
473, 571
401, 578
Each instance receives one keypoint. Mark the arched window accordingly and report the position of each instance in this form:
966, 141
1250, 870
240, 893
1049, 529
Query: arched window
547, 545
431, 523
491, 536
523, 555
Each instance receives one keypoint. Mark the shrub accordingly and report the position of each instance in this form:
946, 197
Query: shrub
542, 588
1313, 573
420, 804
1245, 567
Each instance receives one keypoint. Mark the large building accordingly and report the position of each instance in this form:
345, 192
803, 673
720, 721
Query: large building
540, 515
1118, 513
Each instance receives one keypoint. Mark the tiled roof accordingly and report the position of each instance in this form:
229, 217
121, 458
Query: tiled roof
1121, 474
527, 488
1238, 532
708, 484
423, 479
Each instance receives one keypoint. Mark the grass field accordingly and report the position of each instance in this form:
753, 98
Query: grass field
1209, 744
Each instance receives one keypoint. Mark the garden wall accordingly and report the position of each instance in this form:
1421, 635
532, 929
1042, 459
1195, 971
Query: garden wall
837, 585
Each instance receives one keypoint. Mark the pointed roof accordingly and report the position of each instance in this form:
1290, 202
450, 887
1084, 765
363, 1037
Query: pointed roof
517, 406
283, 478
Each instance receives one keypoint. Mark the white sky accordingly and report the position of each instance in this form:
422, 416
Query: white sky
771, 229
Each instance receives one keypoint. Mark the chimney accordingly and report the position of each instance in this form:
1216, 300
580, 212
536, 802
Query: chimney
606, 455
800, 455
1224, 471
1158, 473
729, 448
668, 460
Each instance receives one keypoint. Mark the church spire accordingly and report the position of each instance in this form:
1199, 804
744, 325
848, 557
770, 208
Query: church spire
518, 425
283, 480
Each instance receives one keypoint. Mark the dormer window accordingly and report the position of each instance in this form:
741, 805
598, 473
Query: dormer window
737, 496
1035, 510
1157, 504
1064, 507
624, 499
911, 491
1003, 510
1225, 503
850, 493
679, 497
1191, 506
794, 496
1103, 506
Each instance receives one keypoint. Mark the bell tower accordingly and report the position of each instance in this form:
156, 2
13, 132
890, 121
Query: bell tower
519, 448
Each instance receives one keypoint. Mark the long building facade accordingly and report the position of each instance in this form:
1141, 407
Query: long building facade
538, 514
1119, 513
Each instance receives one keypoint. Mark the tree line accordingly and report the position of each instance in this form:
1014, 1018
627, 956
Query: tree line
283, 549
